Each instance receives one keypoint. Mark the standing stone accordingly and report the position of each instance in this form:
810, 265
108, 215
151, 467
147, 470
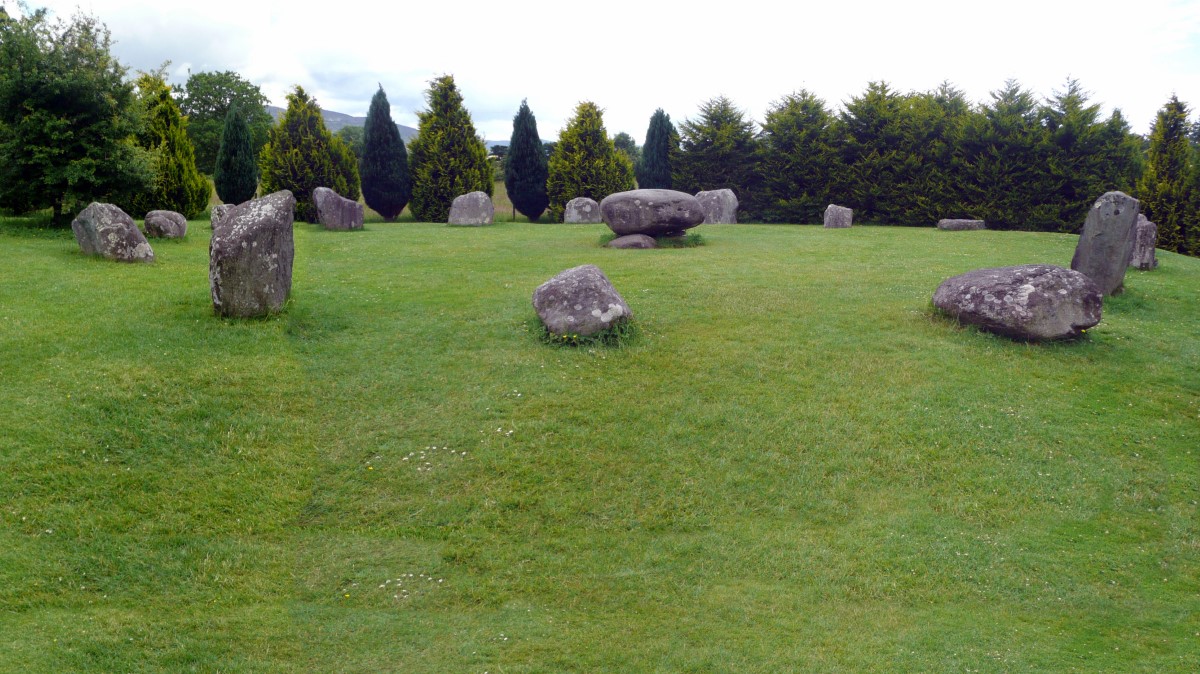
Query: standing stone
651, 212
633, 241
472, 209
960, 225
719, 206
582, 211
105, 229
217, 212
1145, 239
250, 257
337, 212
1106, 243
1030, 302
579, 301
166, 225
838, 217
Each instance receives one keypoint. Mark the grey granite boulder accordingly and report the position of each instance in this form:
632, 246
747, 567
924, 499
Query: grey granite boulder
719, 206
582, 211
250, 257
633, 241
838, 217
1030, 302
472, 209
651, 212
579, 301
1106, 242
217, 212
960, 225
1145, 239
335, 211
105, 229
166, 225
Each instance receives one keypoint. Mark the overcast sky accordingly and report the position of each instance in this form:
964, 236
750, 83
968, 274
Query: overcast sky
631, 57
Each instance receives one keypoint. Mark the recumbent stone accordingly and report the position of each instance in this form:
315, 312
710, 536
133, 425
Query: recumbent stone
579, 301
1028, 302
105, 229
166, 225
651, 212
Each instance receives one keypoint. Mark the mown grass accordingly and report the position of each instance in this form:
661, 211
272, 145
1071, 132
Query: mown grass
795, 466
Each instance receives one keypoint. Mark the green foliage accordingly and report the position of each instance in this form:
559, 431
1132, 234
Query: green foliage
301, 155
236, 175
795, 158
386, 183
177, 184
625, 143
525, 168
1166, 188
620, 334
718, 151
659, 153
353, 137
447, 157
67, 117
585, 163
206, 100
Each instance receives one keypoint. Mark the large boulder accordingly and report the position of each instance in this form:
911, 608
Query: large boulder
1106, 242
250, 257
633, 241
582, 211
579, 301
217, 212
719, 206
472, 210
838, 217
1029, 302
1145, 239
105, 229
651, 212
335, 211
960, 224
166, 225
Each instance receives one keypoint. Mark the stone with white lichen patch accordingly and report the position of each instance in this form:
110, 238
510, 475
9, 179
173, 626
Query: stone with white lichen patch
1106, 242
105, 229
1029, 302
582, 211
651, 212
720, 206
250, 257
579, 301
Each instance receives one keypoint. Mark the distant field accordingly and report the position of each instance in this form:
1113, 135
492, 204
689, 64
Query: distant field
795, 466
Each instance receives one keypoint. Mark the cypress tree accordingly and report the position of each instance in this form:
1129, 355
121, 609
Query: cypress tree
236, 176
386, 184
794, 159
718, 151
525, 171
660, 150
585, 163
447, 158
1164, 189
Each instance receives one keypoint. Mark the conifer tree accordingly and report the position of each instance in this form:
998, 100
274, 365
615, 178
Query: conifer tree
659, 153
794, 158
236, 176
447, 159
718, 151
585, 163
386, 184
1164, 189
177, 184
525, 171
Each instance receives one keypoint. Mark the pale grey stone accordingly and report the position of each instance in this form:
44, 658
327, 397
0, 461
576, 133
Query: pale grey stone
473, 209
838, 217
217, 212
105, 229
960, 224
582, 211
166, 225
633, 241
720, 206
651, 212
250, 257
580, 301
335, 211
1145, 239
1029, 302
1106, 242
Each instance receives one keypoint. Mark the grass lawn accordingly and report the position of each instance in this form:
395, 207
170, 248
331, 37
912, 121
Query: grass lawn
795, 466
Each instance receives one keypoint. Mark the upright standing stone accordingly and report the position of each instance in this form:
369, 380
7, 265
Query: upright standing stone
579, 301
105, 229
1106, 243
337, 212
217, 212
960, 224
719, 206
838, 217
582, 211
166, 225
250, 257
473, 209
651, 212
1145, 239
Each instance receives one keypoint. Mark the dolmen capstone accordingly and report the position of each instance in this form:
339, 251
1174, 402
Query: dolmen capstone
1106, 242
960, 224
217, 212
579, 301
105, 229
719, 206
1032, 302
651, 212
582, 211
473, 209
838, 217
166, 225
1145, 239
335, 211
633, 241
250, 257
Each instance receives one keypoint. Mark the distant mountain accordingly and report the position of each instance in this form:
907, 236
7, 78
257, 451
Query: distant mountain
335, 121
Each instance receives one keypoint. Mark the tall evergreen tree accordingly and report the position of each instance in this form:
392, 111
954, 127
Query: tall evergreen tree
525, 171
585, 163
659, 153
1164, 189
386, 184
447, 157
795, 155
236, 175
718, 151
177, 184
869, 135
